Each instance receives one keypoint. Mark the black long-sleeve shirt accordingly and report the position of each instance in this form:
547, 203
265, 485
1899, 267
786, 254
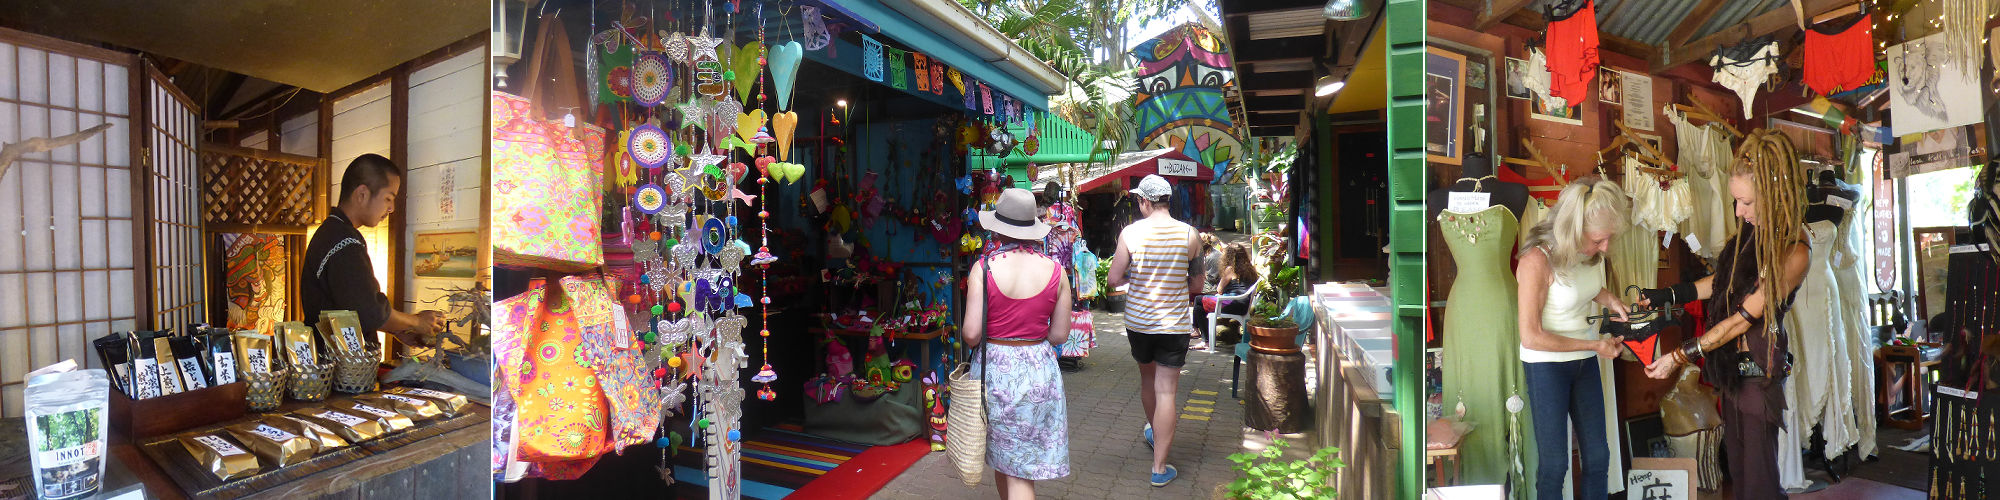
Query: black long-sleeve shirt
338, 275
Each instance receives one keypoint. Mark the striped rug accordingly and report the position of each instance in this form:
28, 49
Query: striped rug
776, 461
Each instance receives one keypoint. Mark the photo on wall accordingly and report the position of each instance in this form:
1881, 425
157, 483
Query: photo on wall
1444, 110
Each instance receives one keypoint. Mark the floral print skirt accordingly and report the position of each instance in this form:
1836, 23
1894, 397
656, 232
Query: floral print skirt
1027, 421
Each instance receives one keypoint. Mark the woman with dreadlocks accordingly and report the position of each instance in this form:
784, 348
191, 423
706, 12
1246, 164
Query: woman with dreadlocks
1755, 276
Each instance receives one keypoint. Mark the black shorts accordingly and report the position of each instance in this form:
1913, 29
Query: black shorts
1166, 349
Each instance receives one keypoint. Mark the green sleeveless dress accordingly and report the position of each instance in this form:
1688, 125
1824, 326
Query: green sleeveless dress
1482, 359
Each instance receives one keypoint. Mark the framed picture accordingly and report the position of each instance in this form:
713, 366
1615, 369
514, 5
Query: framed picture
1444, 110
1517, 71
1610, 86
448, 254
1476, 75
1646, 437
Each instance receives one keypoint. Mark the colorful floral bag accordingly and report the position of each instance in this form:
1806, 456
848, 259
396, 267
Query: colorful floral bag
546, 173
562, 412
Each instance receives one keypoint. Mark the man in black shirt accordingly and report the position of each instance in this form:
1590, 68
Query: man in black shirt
338, 274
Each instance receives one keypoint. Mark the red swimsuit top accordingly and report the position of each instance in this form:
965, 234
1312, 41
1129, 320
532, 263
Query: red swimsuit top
1008, 318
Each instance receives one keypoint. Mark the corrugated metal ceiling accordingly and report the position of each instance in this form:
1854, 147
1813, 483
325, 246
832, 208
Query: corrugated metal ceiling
1650, 21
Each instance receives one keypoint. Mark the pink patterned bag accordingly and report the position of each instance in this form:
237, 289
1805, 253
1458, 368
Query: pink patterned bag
545, 185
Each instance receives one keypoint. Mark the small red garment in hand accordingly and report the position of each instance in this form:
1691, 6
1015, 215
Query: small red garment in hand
1643, 348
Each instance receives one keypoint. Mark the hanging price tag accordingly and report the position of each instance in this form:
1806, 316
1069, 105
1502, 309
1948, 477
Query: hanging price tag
1466, 203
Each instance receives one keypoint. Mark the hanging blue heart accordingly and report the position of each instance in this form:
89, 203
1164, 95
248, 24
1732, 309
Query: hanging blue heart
743, 300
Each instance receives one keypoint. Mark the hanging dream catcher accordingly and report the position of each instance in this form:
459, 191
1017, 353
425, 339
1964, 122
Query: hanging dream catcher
650, 146
651, 79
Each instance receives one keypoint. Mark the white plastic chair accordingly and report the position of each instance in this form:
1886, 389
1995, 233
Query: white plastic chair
1242, 324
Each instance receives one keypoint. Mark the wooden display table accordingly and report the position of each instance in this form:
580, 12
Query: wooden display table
446, 457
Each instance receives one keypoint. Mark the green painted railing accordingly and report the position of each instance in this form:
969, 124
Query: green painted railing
1061, 143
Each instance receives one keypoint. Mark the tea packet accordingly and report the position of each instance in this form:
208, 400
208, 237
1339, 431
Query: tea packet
451, 404
415, 408
254, 351
220, 356
222, 458
145, 368
323, 439
67, 413
396, 422
187, 360
165, 366
298, 344
115, 352
277, 446
352, 428
342, 330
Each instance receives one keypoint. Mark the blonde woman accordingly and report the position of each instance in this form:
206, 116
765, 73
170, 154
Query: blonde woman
1745, 311
1561, 275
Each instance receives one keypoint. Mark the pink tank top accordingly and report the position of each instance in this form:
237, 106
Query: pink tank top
1008, 318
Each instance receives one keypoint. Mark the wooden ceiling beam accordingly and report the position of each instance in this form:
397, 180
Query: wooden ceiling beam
1695, 18
1502, 9
1247, 7
1777, 21
1274, 81
1271, 102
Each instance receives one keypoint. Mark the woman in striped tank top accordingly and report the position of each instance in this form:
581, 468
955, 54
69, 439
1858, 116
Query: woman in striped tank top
1157, 256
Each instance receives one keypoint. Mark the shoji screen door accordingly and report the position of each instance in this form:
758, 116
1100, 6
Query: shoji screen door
68, 272
177, 259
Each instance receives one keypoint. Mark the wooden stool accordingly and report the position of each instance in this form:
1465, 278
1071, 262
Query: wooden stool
1916, 380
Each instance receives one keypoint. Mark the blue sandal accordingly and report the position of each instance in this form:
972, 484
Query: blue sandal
1162, 478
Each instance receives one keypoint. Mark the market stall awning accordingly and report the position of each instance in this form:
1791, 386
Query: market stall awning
1177, 167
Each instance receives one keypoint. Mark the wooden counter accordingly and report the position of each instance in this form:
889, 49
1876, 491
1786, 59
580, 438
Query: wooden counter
448, 462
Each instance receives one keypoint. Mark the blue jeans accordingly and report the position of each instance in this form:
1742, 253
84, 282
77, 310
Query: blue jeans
1558, 394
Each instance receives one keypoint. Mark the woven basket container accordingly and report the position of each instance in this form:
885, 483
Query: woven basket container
311, 383
354, 373
965, 444
266, 390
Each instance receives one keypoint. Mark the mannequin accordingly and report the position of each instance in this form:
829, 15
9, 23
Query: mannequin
1472, 180
1694, 427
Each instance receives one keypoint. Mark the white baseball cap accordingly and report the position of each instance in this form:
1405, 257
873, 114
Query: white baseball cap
1153, 188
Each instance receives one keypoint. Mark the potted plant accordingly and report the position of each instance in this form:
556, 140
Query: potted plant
1267, 475
1271, 330
1113, 301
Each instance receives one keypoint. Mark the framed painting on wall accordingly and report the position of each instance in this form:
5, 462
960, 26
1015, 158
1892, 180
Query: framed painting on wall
449, 254
1444, 110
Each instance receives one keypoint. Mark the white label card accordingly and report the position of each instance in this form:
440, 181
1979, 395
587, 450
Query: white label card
273, 433
377, 411
191, 374
353, 342
1466, 203
343, 418
1694, 244
225, 368
260, 361
148, 380
406, 399
429, 393
219, 445
170, 380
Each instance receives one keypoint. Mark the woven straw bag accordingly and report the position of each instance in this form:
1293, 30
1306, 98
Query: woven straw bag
965, 441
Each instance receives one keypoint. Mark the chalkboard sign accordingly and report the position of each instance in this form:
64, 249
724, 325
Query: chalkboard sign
1660, 479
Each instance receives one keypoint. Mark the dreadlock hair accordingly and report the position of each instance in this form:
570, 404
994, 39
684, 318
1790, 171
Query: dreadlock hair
1766, 158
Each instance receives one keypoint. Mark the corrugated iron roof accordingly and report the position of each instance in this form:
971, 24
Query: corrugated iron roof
1650, 21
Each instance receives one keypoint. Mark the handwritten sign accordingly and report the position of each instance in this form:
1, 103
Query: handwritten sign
1660, 479
1180, 168
1466, 203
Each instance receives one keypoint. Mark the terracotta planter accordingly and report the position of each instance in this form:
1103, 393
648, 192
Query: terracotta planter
1274, 340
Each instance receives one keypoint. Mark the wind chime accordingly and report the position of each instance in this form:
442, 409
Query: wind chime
681, 221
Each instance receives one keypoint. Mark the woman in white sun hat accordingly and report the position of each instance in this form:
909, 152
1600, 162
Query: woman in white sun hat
1018, 307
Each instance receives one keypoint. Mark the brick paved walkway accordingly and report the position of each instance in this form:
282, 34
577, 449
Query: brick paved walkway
1108, 458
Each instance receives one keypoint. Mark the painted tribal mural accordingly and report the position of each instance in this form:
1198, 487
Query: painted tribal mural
1180, 102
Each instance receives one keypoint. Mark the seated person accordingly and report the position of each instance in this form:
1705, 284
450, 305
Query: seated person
1236, 277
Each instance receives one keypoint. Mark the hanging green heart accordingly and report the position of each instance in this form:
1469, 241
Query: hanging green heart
744, 64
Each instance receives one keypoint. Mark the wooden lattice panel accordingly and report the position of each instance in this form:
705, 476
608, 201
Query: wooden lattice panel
261, 188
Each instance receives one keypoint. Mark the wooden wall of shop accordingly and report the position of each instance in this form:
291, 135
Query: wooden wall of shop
1575, 146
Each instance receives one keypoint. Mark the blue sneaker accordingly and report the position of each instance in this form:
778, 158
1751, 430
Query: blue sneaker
1149, 436
1162, 478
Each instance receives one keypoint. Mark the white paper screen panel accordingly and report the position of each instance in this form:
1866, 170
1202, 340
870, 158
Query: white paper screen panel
361, 126
447, 144
177, 259
300, 135
66, 216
